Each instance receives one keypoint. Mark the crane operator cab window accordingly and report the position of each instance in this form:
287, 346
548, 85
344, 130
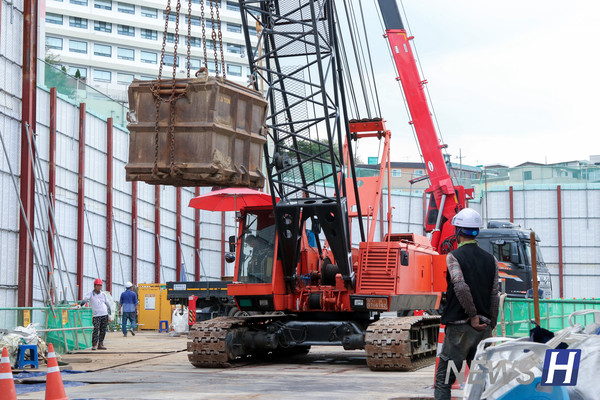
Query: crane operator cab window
258, 248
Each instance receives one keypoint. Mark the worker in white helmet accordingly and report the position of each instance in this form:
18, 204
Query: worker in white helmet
471, 310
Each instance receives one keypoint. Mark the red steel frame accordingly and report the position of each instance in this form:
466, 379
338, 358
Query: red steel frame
560, 241
28, 116
52, 172
196, 239
222, 244
178, 243
134, 222
109, 203
81, 201
157, 254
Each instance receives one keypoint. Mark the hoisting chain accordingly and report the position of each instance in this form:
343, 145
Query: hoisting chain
203, 22
189, 39
220, 34
174, 93
214, 35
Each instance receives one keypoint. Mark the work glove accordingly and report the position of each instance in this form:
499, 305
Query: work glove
110, 318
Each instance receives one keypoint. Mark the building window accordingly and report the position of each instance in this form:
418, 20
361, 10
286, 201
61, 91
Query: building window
235, 28
102, 26
76, 46
148, 57
169, 60
102, 50
527, 175
149, 34
103, 4
233, 6
54, 43
194, 64
195, 20
234, 70
125, 54
418, 172
82, 71
102, 75
77, 22
126, 30
396, 172
149, 12
54, 19
170, 38
79, 2
234, 48
196, 42
211, 66
147, 78
126, 8
124, 79
252, 32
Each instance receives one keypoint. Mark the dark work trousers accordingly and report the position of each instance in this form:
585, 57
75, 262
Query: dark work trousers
460, 343
100, 324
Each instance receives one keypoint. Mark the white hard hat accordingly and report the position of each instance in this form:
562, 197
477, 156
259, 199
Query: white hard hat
128, 285
467, 218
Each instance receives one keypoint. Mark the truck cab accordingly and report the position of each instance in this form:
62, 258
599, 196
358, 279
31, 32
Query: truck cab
510, 244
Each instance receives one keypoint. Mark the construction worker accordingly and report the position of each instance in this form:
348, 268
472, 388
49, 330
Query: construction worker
471, 310
129, 303
100, 313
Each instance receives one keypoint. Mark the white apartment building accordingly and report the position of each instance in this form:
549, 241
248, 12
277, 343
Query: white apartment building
112, 42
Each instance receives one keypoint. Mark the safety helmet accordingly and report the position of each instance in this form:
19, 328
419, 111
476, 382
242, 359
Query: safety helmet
98, 281
128, 285
467, 222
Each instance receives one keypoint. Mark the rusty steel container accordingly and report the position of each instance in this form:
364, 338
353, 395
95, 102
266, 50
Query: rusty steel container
212, 135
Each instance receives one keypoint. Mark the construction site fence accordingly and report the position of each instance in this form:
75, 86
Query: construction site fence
554, 315
65, 327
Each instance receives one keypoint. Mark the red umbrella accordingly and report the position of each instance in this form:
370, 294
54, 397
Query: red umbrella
230, 199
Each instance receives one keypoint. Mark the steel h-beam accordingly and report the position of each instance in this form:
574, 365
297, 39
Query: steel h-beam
52, 173
157, 256
81, 201
134, 221
28, 117
178, 240
197, 239
109, 203
298, 67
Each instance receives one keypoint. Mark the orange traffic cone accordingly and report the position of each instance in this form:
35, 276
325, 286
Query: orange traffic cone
7, 384
54, 384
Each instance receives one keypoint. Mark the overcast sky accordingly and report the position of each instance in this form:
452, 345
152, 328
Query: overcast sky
510, 81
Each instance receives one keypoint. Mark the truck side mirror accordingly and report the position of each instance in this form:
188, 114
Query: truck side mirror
232, 244
404, 257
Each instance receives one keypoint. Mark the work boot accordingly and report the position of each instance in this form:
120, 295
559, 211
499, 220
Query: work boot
132, 332
101, 346
94, 346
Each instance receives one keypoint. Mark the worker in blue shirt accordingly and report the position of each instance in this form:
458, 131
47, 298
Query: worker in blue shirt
129, 303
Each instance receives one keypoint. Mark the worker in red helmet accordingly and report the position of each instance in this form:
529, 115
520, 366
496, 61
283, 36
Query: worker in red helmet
471, 310
100, 313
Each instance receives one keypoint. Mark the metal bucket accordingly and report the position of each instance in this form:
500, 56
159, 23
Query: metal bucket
212, 135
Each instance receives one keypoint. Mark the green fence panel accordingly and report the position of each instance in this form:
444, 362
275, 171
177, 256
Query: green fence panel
554, 314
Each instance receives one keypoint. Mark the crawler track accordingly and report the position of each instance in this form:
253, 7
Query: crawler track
402, 344
208, 346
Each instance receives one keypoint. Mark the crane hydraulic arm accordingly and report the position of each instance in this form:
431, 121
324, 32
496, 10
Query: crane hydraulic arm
446, 199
